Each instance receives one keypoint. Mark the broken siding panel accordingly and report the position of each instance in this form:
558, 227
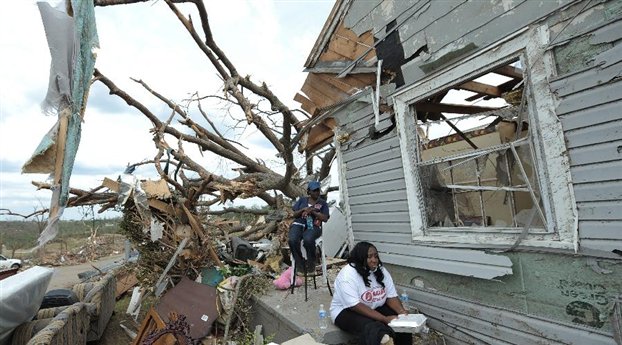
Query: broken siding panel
388, 143
373, 158
586, 79
358, 15
582, 18
475, 323
464, 268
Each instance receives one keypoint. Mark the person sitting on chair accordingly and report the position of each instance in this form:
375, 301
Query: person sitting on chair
309, 214
365, 299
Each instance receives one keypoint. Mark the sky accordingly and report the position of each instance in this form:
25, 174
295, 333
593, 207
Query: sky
268, 40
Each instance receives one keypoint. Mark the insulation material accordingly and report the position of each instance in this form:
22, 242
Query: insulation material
71, 41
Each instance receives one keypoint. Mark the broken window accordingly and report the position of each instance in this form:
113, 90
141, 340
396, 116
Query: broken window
474, 155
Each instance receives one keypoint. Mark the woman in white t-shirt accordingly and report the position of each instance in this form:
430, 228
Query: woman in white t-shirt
365, 299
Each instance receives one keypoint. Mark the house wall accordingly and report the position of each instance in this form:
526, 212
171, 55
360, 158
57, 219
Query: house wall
548, 297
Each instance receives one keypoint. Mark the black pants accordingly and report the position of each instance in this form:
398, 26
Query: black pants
299, 233
369, 330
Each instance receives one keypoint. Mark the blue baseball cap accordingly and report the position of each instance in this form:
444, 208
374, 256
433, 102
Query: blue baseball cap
313, 185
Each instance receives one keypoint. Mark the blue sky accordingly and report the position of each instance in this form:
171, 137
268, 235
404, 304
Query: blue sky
269, 40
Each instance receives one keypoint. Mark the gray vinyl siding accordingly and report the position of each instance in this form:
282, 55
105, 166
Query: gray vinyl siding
445, 30
378, 203
524, 303
590, 110
488, 325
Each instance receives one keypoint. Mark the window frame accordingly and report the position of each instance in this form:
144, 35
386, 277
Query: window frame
559, 206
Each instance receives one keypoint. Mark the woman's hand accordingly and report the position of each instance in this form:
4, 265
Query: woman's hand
387, 319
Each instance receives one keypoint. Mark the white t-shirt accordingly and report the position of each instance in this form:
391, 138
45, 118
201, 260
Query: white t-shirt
351, 290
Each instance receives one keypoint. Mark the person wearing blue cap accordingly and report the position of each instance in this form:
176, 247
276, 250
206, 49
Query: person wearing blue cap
309, 213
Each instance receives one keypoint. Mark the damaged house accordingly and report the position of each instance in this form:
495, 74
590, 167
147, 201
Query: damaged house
480, 150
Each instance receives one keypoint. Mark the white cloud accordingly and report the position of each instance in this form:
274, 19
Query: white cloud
268, 40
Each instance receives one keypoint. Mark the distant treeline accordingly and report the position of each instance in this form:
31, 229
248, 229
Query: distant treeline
24, 233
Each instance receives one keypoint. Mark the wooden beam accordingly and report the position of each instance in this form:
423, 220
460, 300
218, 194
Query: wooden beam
305, 103
319, 97
478, 87
319, 83
450, 108
510, 71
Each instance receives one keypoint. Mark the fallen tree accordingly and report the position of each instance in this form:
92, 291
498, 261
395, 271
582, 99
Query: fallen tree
192, 188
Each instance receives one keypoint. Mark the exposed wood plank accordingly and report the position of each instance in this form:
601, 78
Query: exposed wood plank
451, 108
305, 103
111, 184
360, 44
318, 135
318, 83
510, 71
340, 83
478, 87
318, 97
331, 55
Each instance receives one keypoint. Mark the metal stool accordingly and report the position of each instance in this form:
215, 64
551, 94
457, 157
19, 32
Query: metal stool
319, 244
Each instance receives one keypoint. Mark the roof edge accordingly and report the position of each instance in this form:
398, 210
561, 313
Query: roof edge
331, 23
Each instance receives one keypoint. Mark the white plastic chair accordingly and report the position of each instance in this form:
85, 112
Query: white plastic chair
319, 243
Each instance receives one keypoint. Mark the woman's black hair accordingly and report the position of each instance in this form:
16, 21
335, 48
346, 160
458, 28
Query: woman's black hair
358, 260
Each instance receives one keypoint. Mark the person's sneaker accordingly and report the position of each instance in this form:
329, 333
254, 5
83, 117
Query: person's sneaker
386, 340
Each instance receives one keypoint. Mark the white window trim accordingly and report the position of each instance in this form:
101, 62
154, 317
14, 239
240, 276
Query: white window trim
554, 176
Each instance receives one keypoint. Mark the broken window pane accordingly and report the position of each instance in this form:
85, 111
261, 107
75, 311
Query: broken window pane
476, 168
